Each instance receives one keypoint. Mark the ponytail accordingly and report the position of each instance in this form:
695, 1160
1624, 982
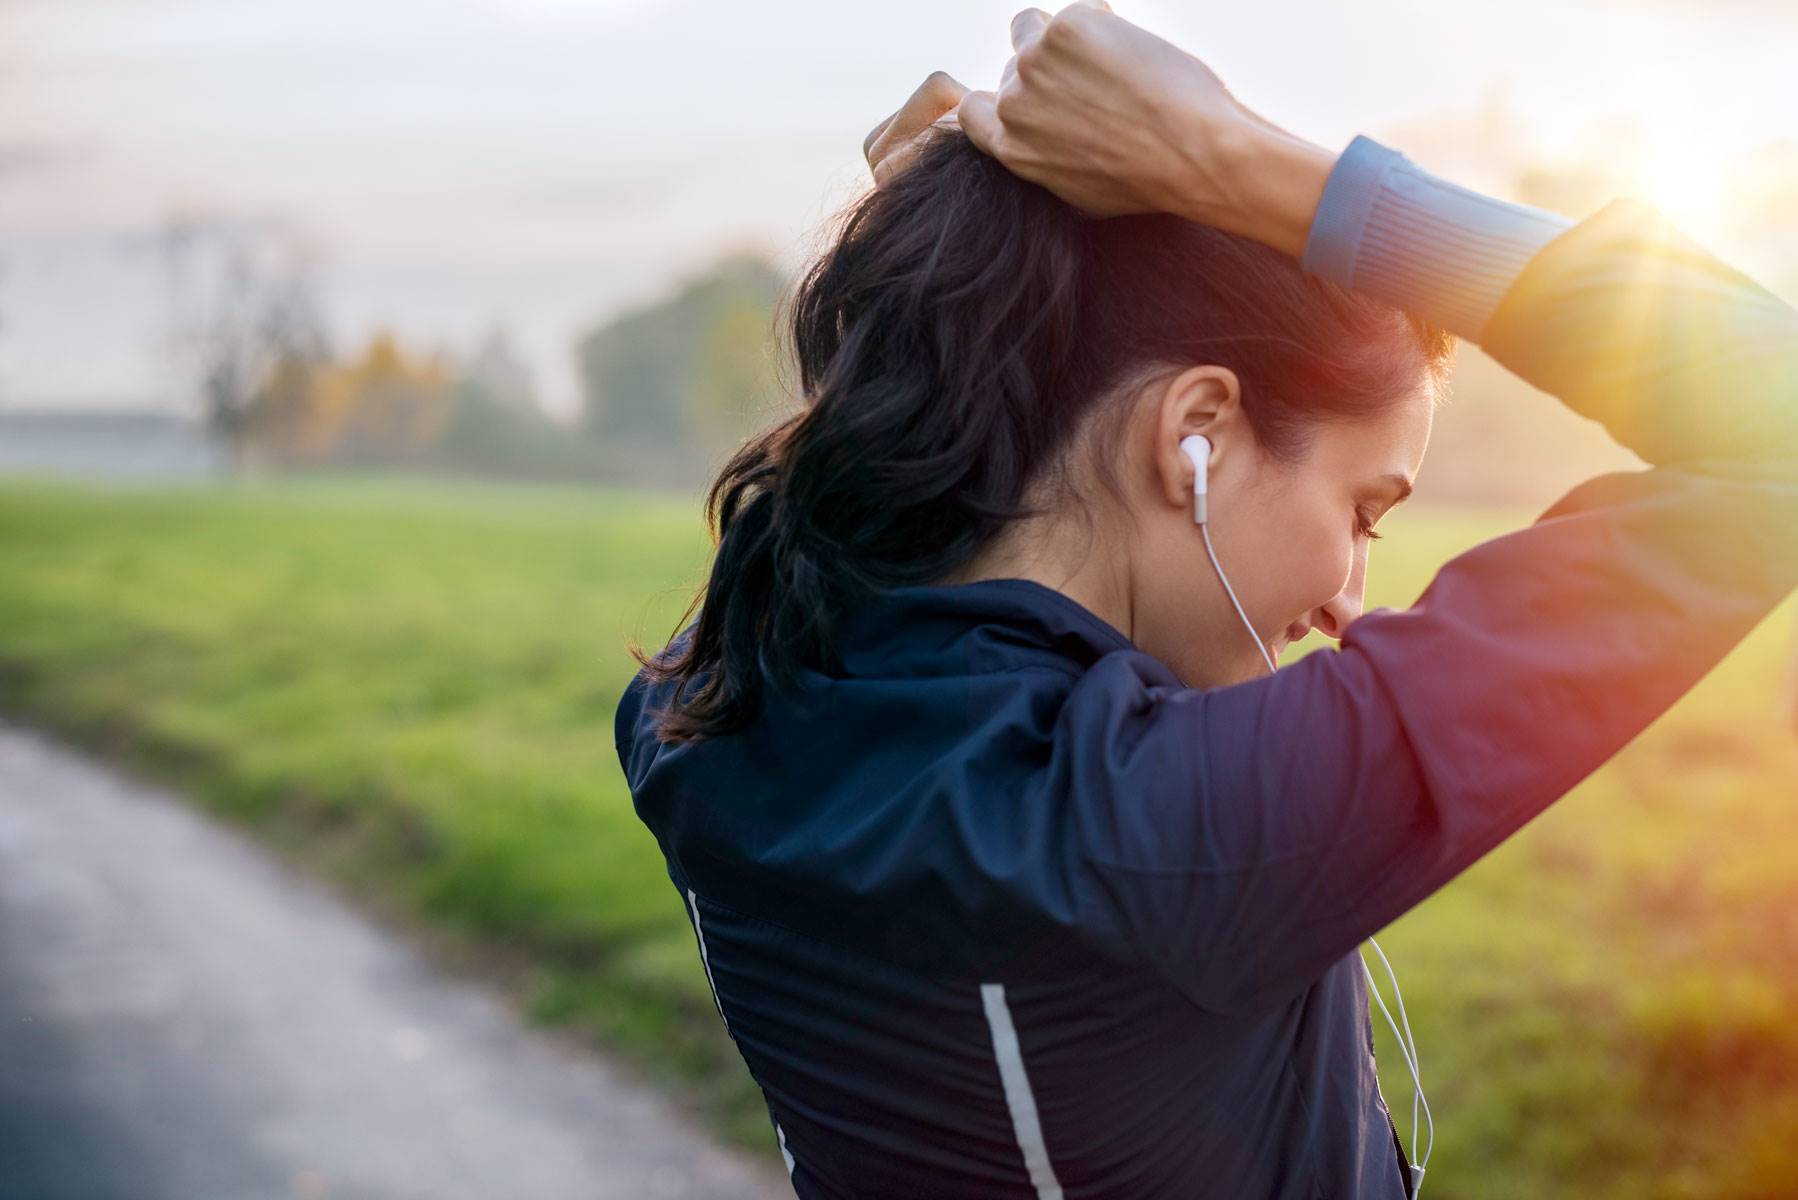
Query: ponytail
949, 344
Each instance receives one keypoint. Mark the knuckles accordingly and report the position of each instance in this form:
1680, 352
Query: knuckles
1065, 28
1028, 61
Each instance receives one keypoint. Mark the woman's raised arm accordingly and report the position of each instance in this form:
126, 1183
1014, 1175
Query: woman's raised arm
1248, 837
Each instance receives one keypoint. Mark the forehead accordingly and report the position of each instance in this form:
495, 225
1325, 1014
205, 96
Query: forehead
1393, 440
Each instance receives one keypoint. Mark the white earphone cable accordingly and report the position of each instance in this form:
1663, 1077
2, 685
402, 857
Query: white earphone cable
1205, 530
1410, 1056
1408, 1052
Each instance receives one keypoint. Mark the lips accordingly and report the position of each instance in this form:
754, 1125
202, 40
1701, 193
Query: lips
1293, 633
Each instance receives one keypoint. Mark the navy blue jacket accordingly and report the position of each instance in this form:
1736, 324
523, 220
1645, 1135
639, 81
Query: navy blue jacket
1006, 910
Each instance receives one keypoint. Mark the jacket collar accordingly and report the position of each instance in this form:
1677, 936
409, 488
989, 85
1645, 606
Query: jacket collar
990, 624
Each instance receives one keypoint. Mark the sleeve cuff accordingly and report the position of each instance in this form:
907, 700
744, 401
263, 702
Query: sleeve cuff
1388, 228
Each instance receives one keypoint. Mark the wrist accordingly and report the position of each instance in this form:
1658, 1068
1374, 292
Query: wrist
1267, 183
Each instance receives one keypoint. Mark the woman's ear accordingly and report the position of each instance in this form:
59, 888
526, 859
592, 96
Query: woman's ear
1204, 399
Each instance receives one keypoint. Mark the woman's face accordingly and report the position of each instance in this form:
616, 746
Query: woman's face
1287, 536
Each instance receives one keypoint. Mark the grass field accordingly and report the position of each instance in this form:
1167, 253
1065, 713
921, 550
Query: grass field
410, 686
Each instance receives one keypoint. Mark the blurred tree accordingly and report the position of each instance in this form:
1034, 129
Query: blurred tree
292, 349
393, 407
496, 426
386, 407
694, 368
734, 383
500, 374
229, 350
256, 326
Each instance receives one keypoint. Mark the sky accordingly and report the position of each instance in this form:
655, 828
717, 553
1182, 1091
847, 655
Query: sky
539, 165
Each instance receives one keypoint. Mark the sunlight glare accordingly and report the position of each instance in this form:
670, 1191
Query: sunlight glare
1689, 175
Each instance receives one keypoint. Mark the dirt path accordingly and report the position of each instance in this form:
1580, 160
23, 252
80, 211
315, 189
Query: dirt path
183, 1018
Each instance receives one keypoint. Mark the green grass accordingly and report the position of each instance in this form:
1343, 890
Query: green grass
409, 687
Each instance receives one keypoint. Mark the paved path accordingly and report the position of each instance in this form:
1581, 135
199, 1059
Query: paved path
183, 1018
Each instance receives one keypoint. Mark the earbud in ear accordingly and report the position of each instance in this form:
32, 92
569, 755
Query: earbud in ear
1197, 447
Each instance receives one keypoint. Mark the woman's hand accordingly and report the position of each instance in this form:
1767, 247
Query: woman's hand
893, 143
1115, 120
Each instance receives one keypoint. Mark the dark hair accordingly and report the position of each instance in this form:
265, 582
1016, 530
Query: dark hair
950, 344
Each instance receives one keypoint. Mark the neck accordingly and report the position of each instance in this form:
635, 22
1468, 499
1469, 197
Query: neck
1095, 581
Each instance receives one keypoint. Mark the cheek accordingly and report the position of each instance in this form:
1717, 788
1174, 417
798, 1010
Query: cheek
1320, 565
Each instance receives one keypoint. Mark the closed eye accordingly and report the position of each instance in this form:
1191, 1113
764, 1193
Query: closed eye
1365, 516
1364, 524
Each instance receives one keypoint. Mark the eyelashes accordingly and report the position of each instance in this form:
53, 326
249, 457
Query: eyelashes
1364, 527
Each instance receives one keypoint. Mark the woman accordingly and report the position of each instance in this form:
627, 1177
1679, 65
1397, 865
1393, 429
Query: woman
1012, 869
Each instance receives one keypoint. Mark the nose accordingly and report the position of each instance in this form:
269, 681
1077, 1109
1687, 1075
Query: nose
1333, 617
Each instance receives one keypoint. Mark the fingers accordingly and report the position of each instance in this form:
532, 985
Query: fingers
979, 117
940, 90
936, 96
868, 142
1008, 73
1026, 27
941, 100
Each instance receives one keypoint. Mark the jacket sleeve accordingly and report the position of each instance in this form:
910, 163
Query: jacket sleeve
1246, 838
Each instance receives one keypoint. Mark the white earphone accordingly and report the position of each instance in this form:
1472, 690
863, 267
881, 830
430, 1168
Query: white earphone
1197, 448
